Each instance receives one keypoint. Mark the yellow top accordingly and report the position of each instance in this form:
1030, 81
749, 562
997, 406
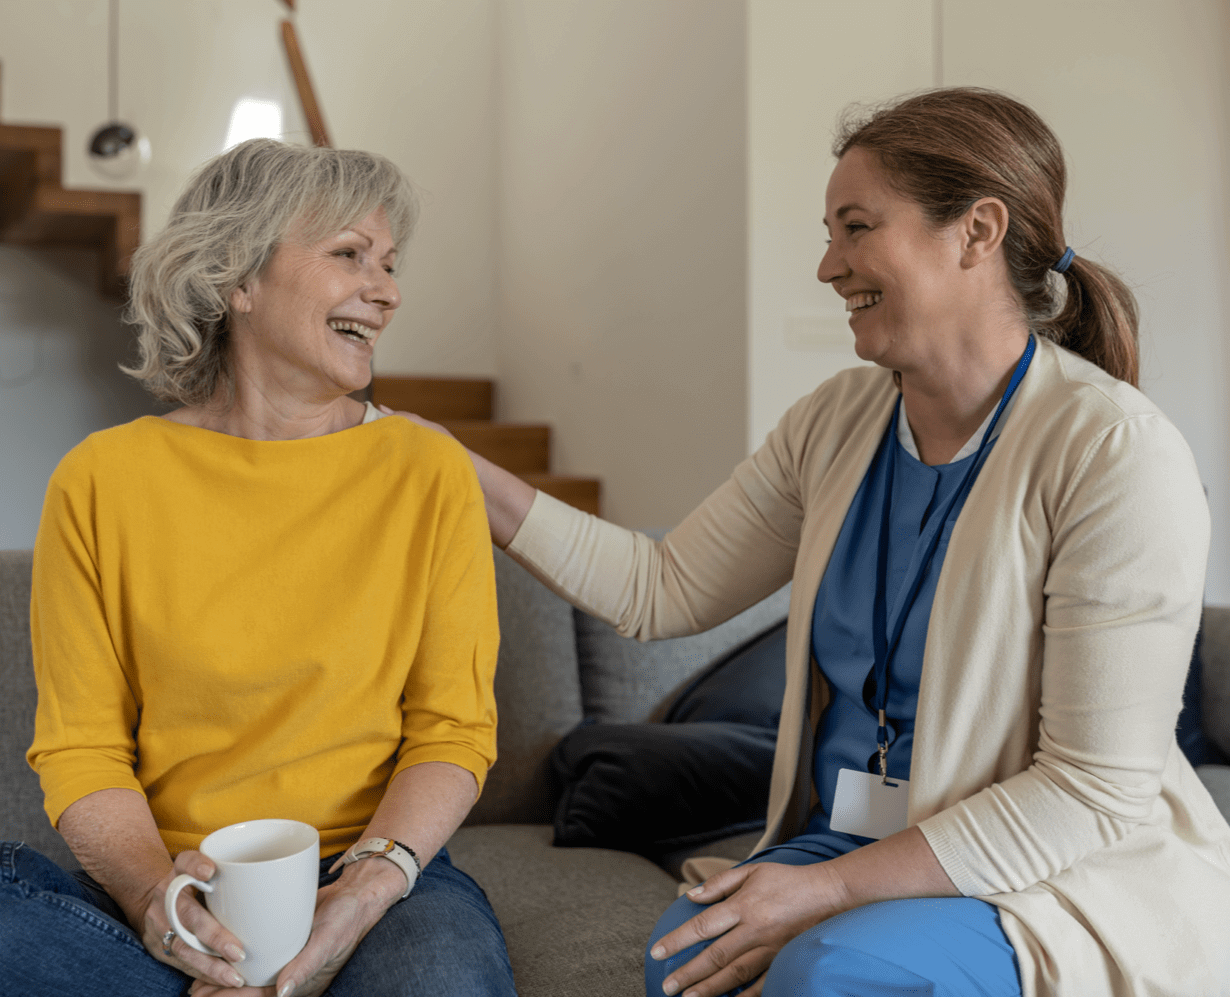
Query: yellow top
241, 629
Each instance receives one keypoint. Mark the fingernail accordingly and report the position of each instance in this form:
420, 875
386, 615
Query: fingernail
669, 987
658, 952
286, 988
383, 408
233, 978
235, 953
696, 891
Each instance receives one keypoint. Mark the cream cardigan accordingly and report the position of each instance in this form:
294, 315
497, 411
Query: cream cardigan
1045, 773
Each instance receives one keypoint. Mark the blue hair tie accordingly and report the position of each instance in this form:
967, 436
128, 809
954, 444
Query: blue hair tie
1065, 261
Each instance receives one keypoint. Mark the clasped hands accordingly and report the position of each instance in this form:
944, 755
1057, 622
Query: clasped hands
755, 910
345, 911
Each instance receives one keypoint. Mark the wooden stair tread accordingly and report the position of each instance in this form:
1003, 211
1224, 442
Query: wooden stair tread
583, 493
36, 209
439, 399
517, 448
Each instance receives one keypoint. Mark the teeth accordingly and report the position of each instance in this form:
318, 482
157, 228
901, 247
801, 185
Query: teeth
864, 299
352, 330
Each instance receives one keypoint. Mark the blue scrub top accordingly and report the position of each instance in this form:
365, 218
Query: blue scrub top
842, 626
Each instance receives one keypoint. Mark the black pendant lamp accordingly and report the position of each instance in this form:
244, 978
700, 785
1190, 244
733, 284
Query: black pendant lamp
116, 150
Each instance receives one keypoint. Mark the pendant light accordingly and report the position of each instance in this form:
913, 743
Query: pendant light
116, 150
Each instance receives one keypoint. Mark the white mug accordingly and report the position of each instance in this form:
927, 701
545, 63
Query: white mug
263, 892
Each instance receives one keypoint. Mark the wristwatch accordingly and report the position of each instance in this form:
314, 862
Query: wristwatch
400, 855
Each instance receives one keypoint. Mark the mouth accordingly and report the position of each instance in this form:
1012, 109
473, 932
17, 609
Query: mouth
354, 331
862, 300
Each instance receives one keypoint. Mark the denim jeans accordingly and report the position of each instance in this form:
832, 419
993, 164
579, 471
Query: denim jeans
60, 934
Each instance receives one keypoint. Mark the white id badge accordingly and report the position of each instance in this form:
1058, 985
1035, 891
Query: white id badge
867, 806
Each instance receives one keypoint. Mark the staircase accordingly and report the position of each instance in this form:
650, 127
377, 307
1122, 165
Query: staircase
37, 210
464, 407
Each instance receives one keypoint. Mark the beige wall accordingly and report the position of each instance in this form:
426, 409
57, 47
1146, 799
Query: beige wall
622, 227
1136, 91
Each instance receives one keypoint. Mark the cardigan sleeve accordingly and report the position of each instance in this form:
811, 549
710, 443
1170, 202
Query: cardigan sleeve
733, 550
1123, 591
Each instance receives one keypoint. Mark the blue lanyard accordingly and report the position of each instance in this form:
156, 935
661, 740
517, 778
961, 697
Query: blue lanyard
884, 643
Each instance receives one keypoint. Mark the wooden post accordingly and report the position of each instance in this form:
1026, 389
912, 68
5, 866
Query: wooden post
303, 83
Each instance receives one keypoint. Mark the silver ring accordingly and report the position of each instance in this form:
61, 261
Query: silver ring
166, 942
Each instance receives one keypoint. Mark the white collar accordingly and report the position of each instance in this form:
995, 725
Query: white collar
905, 435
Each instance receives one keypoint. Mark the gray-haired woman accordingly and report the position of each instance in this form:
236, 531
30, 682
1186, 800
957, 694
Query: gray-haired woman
227, 626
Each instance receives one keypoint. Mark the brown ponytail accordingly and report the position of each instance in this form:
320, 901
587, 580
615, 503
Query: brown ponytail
947, 148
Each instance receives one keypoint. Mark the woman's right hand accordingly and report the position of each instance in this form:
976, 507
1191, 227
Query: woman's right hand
198, 920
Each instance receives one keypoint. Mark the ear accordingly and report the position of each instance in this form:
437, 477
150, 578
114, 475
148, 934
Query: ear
982, 229
241, 300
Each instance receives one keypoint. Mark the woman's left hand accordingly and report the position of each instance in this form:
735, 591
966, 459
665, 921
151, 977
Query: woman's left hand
762, 907
346, 910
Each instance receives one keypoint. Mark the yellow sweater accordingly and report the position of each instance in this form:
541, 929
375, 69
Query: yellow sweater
241, 629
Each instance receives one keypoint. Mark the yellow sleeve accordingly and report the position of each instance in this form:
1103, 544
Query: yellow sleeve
449, 712
87, 710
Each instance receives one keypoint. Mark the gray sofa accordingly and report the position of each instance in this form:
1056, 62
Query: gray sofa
576, 919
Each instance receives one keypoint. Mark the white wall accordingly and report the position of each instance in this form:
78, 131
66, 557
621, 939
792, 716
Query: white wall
807, 60
1136, 91
622, 227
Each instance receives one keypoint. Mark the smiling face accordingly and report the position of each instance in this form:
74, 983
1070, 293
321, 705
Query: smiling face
901, 278
307, 323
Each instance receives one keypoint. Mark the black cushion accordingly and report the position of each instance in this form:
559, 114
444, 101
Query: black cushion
653, 788
700, 776
745, 687
1200, 750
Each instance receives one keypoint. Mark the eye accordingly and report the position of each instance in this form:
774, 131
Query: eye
390, 271
852, 227
350, 254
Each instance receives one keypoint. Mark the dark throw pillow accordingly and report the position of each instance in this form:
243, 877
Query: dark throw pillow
1200, 750
655, 788
701, 776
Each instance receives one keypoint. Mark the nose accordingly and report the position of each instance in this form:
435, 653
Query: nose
382, 290
832, 265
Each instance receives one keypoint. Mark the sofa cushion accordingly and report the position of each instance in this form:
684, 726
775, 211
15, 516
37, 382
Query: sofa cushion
1216, 779
538, 697
626, 681
576, 920
21, 816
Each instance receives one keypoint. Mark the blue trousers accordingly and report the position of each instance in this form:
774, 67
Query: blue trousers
943, 947
60, 933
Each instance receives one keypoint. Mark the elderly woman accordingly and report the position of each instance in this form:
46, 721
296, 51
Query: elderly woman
269, 602
998, 549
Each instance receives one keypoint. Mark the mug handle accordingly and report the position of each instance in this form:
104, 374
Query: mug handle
169, 902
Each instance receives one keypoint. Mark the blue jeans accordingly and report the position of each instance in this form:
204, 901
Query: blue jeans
61, 934
950, 947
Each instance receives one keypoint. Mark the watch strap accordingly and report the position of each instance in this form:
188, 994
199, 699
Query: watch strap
401, 855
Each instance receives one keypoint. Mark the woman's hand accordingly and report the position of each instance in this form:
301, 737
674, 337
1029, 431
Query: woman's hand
507, 497
346, 910
198, 920
435, 426
761, 908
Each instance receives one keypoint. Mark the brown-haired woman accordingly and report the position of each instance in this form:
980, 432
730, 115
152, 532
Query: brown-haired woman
998, 549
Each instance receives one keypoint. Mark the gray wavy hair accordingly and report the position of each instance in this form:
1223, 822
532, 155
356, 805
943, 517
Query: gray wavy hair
222, 231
